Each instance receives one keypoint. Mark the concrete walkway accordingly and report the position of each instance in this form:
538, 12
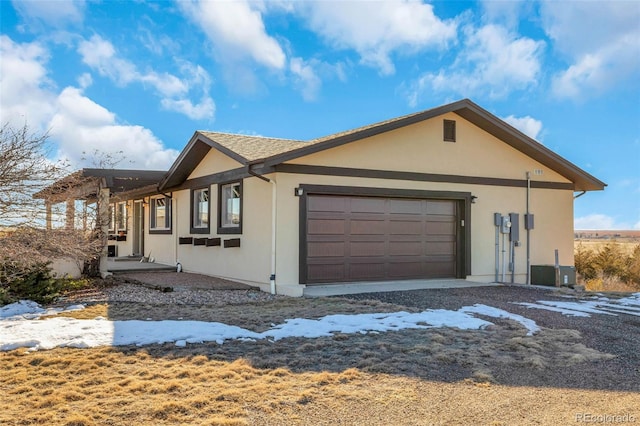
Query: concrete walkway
121, 265
375, 287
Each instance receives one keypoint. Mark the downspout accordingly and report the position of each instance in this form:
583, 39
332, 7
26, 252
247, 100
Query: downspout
274, 199
579, 195
528, 230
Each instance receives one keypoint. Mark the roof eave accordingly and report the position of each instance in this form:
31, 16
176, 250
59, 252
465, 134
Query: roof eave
195, 151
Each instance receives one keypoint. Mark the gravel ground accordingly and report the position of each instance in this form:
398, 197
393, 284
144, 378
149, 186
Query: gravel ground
617, 335
601, 352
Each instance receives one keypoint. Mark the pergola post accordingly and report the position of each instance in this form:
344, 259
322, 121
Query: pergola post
48, 214
69, 223
103, 222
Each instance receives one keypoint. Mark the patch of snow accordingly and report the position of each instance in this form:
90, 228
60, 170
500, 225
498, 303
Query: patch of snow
20, 309
71, 332
490, 311
566, 312
601, 305
28, 309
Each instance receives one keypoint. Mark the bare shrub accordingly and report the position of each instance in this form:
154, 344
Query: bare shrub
609, 268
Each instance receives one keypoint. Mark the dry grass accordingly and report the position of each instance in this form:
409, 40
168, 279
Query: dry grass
434, 376
107, 386
626, 245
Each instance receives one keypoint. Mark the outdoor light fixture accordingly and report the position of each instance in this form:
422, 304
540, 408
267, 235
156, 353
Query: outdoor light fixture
298, 192
473, 199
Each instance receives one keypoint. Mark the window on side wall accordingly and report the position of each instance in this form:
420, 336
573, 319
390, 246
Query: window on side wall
200, 211
121, 217
112, 219
230, 208
160, 215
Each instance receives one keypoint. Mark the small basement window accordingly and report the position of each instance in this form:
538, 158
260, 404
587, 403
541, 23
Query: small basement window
230, 208
160, 215
449, 130
200, 211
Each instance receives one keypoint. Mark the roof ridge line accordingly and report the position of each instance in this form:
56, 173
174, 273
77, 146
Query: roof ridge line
252, 136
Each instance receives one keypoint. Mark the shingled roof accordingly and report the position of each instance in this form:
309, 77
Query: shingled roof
251, 150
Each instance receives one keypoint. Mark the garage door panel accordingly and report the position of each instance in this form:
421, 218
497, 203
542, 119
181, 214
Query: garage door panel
367, 227
365, 271
368, 205
367, 248
405, 248
326, 273
440, 269
440, 248
441, 207
406, 207
326, 226
405, 227
377, 239
400, 270
440, 228
326, 204
327, 249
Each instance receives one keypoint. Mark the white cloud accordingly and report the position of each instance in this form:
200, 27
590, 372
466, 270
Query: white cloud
598, 221
237, 31
377, 30
600, 39
55, 13
101, 55
527, 125
493, 62
85, 80
507, 13
77, 124
594, 221
81, 125
26, 90
306, 78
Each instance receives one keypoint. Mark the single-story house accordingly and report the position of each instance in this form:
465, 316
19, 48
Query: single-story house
451, 192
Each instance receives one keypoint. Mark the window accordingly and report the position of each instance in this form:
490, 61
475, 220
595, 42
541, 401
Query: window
112, 219
230, 208
449, 131
121, 217
200, 211
160, 214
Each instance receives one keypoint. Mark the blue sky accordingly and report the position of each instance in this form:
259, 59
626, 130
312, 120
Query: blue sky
141, 77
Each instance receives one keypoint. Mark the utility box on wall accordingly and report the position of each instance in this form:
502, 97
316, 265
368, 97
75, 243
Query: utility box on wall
546, 275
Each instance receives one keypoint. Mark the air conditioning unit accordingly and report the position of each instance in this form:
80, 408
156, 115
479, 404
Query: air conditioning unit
546, 275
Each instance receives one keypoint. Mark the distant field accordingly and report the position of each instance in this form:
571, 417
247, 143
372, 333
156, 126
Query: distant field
593, 240
604, 235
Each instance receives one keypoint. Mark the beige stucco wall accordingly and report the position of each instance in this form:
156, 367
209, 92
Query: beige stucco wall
251, 261
420, 148
214, 162
553, 210
417, 148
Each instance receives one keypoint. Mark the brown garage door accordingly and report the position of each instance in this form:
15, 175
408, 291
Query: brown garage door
377, 239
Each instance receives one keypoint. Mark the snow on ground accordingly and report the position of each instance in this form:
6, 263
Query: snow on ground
28, 309
597, 305
19, 327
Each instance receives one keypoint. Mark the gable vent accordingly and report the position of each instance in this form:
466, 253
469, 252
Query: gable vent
449, 130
